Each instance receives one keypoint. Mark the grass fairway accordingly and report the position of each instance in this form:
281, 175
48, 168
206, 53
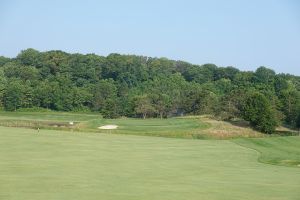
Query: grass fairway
64, 165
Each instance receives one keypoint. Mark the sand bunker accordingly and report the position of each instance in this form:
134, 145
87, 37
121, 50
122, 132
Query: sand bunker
108, 127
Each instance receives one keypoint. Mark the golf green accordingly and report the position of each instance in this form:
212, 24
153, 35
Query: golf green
62, 165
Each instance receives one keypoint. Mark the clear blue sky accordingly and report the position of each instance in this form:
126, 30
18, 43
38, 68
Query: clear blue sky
243, 33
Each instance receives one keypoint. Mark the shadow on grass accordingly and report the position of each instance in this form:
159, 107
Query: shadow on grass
239, 123
285, 132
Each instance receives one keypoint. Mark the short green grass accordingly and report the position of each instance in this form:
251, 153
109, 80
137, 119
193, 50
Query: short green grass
276, 150
64, 165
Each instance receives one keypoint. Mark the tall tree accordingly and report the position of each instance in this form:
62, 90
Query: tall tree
13, 95
257, 110
3, 60
30, 57
298, 122
105, 98
144, 106
3, 83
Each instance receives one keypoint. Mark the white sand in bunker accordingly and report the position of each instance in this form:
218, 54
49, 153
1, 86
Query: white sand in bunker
108, 127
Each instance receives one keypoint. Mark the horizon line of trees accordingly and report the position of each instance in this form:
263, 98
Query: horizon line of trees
138, 86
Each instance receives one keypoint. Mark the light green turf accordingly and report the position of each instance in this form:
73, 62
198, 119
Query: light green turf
63, 165
48, 116
277, 150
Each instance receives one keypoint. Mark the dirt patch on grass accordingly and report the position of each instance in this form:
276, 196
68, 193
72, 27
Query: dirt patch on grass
108, 127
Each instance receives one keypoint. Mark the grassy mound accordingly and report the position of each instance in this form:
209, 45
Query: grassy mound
277, 150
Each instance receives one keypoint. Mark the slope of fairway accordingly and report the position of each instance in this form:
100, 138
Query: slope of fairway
63, 165
277, 150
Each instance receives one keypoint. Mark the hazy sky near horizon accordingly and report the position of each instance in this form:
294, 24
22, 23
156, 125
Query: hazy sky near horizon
240, 33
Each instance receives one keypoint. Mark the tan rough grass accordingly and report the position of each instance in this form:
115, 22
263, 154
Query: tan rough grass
226, 130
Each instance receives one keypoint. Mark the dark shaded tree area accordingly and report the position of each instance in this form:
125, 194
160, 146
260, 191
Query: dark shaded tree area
139, 86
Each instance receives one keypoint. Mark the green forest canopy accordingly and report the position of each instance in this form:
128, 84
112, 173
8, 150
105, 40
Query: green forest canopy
140, 86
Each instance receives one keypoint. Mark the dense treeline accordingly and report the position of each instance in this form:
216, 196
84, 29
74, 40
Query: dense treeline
138, 86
